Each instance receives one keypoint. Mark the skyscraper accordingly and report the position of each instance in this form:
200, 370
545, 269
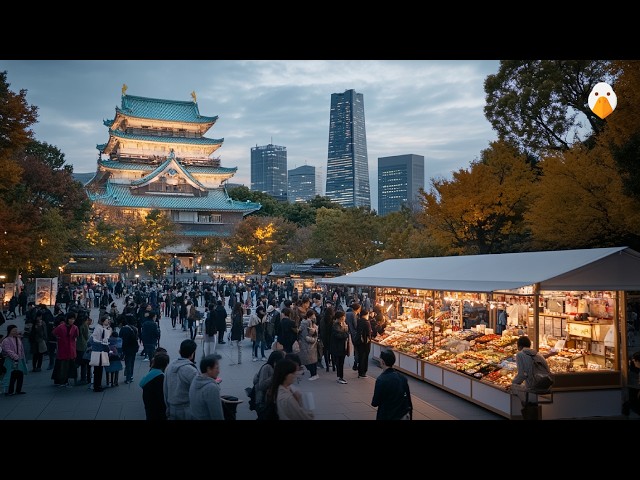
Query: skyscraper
399, 180
302, 184
269, 170
347, 162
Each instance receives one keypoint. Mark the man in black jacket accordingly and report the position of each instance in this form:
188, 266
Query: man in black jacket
391, 393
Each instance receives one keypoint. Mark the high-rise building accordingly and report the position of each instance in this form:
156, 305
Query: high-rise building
269, 170
302, 184
347, 162
400, 179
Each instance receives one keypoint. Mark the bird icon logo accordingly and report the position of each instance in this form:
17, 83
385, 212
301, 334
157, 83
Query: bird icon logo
602, 100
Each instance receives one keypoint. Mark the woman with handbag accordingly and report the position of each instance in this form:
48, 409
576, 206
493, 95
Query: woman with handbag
100, 351
307, 338
14, 362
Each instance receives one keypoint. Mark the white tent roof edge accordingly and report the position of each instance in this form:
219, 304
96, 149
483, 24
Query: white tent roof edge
610, 268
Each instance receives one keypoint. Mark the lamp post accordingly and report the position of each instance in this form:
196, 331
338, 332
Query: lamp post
174, 271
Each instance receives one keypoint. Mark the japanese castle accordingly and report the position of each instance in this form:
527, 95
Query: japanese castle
157, 157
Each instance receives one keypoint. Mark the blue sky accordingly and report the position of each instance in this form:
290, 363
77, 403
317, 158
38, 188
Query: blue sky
432, 108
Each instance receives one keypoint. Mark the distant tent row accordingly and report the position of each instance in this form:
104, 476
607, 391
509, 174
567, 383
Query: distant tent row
313, 267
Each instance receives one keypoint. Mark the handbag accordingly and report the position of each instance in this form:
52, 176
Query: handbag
276, 345
295, 348
99, 359
42, 346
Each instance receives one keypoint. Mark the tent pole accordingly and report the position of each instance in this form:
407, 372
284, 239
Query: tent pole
536, 315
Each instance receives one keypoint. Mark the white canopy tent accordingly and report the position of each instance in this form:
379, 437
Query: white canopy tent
615, 268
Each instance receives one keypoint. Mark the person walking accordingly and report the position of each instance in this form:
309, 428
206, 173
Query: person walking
257, 321
210, 337
363, 342
307, 338
391, 394
130, 345
204, 392
14, 362
352, 320
339, 344
288, 330
237, 327
220, 315
177, 381
150, 336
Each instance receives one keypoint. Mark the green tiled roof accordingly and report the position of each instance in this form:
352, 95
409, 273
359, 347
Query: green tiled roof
193, 169
160, 168
101, 147
199, 233
154, 108
155, 138
107, 123
217, 200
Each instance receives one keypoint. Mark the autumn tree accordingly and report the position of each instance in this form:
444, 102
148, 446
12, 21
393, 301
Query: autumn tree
208, 248
403, 236
539, 105
579, 202
481, 209
348, 237
134, 239
257, 242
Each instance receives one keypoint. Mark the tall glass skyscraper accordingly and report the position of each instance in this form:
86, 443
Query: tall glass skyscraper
348, 163
400, 179
269, 170
302, 184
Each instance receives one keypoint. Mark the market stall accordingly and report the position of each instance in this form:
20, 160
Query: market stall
454, 322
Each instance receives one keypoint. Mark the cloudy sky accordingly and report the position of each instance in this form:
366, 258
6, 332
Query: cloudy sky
432, 108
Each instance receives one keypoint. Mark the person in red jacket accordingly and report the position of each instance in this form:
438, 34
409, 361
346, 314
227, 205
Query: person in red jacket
66, 333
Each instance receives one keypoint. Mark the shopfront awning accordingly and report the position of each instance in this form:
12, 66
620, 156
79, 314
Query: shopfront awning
615, 268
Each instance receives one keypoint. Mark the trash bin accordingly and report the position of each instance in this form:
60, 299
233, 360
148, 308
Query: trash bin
230, 406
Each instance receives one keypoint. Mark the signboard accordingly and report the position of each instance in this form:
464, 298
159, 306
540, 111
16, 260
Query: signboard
9, 289
580, 329
46, 291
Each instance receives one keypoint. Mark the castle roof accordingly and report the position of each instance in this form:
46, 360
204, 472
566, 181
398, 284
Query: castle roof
159, 139
158, 109
118, 195
169, 163
193, 169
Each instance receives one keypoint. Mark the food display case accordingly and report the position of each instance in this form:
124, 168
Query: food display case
426, 331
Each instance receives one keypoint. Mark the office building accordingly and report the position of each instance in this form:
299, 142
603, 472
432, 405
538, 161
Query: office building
400, 179
302, 184
269, 170
347, 161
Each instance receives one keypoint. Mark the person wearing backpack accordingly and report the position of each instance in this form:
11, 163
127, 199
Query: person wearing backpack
523, 384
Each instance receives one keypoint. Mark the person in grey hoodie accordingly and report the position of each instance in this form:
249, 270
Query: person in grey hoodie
204, 392
177, 380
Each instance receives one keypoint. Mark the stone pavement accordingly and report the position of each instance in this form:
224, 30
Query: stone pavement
334, 401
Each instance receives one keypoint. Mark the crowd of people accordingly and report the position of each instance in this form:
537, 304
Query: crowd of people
305, 333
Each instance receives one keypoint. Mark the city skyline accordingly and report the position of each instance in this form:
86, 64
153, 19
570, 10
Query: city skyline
432, 108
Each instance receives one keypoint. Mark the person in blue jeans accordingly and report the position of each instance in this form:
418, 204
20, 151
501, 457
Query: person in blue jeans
150, 336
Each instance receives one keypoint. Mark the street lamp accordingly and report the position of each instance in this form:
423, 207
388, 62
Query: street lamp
174, 271
137, 277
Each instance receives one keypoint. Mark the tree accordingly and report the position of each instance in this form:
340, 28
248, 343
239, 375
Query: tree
16, 120
208, 248
348, 237
536, 104
481, 210
403, 236
260, 241
579, 203
270, 206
